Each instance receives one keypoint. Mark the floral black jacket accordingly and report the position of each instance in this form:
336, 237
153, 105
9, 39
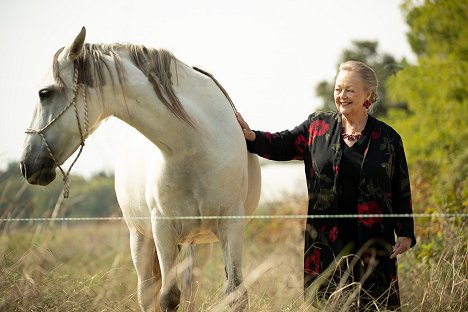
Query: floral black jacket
384, 186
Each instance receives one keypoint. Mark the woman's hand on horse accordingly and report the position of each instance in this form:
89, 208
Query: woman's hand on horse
248, 133
401, 246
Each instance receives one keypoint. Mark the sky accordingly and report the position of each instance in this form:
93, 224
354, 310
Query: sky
268, 54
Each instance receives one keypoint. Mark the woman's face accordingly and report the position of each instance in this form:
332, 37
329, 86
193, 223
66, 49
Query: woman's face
350, 93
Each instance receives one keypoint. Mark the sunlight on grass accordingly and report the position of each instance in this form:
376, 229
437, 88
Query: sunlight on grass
87, 267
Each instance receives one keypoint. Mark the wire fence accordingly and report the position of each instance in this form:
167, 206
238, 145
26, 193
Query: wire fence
233, 217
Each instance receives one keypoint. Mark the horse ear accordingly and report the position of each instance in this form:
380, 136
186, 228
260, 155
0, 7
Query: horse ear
76, 47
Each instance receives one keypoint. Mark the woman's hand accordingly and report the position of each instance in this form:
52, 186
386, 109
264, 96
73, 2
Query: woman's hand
248, 133
401, 246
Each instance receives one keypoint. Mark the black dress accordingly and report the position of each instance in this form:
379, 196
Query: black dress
349, 177
382, 187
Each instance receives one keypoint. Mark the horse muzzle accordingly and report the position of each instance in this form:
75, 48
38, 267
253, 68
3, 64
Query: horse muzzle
40, 171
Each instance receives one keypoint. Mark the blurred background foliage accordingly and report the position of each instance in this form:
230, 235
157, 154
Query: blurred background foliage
92, 197
434, 126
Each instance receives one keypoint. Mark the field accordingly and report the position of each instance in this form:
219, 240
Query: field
87, 267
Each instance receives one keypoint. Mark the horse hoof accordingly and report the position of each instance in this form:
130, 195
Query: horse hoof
170, 301
241, 303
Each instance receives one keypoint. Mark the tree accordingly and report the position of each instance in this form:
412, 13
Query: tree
384, 65
94, 197
434, 128
438, 28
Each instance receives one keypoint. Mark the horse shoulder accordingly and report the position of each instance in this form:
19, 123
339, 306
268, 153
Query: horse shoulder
137, 167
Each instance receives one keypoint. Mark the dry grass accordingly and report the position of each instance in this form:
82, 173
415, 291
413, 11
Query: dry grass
88, 267
83, 268
436, 276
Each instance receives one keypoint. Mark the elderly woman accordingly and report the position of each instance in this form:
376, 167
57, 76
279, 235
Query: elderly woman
354, 164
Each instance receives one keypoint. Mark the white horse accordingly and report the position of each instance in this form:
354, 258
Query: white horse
197, 164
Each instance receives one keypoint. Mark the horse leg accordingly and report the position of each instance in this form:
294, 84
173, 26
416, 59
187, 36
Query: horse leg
196, 259
231, 238
167, 249
146, 264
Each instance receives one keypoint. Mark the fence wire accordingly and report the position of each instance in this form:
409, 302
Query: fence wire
234, 217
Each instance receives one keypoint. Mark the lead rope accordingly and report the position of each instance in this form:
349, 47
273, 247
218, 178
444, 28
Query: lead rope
219, 86
66, 175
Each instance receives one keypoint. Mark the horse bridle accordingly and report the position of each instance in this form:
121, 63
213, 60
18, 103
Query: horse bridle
76, 87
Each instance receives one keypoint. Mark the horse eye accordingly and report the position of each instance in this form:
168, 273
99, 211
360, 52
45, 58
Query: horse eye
44, 94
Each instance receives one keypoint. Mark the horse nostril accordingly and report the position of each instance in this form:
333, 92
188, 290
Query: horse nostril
23, 169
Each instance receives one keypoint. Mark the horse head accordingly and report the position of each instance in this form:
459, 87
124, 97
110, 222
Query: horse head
62, 119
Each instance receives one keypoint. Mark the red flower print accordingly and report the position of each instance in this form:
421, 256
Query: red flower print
299, 143
336, 169
268, 136
317, 128
312, 263
375, 135
333, 233
369, 208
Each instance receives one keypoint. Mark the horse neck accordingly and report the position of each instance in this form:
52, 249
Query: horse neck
140, 107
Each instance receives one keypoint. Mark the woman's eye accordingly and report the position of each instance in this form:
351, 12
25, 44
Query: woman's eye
44, 94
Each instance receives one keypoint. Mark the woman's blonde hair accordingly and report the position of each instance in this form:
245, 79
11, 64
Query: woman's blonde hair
367, 74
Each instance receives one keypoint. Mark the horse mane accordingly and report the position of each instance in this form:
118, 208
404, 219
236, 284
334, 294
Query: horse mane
154, 63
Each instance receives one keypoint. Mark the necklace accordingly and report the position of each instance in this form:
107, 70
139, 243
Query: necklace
353, 136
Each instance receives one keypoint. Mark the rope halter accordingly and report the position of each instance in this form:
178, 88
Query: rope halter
76, 88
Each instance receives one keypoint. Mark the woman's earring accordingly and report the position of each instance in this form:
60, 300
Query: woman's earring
367, 104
